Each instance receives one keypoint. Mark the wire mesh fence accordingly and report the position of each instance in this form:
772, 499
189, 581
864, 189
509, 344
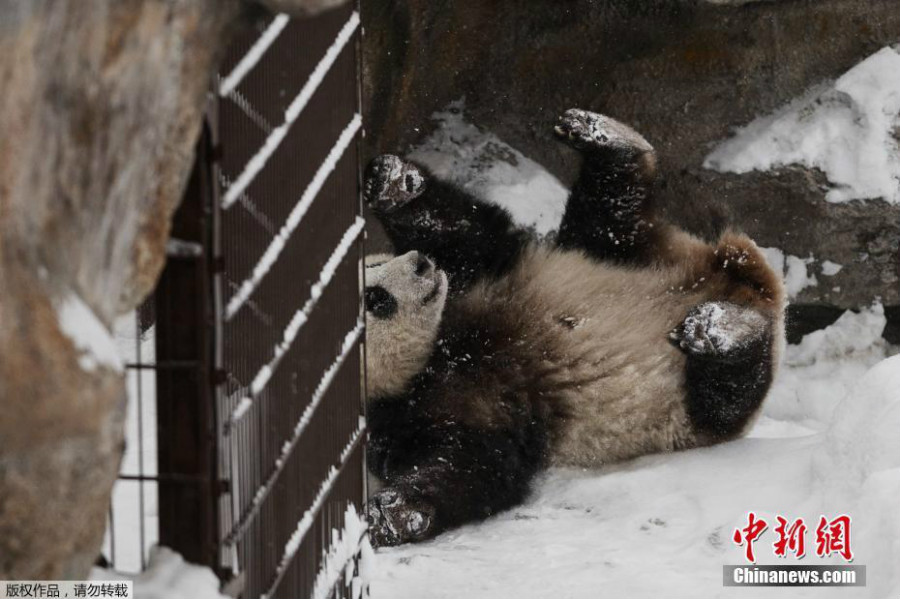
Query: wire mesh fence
253, 358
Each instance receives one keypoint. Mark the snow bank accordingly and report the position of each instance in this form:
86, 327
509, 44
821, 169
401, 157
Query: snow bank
820, 371
845, 128
826, 444
168, 576
491, 169
90, 336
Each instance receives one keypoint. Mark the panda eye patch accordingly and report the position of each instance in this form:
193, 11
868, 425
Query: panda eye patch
379, 302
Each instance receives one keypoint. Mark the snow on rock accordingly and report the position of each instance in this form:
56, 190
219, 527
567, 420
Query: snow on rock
491, 169
793, 269
168, 576
90, 336
585, 533
829, 268
845, 128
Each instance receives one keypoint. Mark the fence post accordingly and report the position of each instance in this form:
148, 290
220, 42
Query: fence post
185, 350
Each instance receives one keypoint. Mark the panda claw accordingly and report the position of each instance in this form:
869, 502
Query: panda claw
391, 183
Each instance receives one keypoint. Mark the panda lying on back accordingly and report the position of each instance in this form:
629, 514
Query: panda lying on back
625, 337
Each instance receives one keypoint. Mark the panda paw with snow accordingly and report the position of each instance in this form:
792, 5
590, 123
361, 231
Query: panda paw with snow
492, 355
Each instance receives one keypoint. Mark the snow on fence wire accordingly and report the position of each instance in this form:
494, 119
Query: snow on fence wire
258, 471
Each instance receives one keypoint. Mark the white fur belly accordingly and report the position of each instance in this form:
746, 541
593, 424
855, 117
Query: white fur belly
623, 381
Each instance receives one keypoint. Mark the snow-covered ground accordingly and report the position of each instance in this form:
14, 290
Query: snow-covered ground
661, 526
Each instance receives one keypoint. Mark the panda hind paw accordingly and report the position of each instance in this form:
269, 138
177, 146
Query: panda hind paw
585, 130
394, 519
718, 329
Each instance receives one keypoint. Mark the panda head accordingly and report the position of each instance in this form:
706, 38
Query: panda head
405, 297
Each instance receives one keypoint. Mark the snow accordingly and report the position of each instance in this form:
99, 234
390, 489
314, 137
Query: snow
253, 55
258, 161
346, 544
168, 576
134, 503
481, 162
306, 521
90, 336
827, 443
302, 315
829, 268
793, 268
275, 247
846, 128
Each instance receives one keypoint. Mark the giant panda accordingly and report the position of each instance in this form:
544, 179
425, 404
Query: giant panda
492, 355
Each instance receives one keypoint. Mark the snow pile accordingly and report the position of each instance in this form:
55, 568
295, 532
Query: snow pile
88, 334
826, 444
168, 576
820, 371
482, 163
846, 129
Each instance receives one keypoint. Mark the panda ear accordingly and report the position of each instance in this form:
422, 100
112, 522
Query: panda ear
380, 302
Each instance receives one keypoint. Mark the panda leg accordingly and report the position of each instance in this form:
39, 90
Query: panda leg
466, 476
729, 365
609, 213
466, 237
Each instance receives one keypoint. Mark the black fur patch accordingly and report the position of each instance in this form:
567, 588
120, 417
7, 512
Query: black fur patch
467, 238
724, 392
380, 302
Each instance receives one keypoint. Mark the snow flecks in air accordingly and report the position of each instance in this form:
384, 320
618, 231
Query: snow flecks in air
846, 128
482, 163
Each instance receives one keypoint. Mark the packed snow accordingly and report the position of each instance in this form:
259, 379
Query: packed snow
90, 336
482, 163
846, 128
825, 443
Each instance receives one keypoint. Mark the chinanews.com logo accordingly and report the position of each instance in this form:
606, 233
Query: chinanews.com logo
831, 537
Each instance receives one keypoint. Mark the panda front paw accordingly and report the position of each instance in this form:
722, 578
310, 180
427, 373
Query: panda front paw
718, 330
585, 130
396, 518
391, 183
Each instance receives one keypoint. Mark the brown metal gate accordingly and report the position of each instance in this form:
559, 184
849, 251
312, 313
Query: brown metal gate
259, 323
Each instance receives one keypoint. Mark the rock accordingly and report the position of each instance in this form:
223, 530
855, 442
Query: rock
684, 73
100, 110
301, 7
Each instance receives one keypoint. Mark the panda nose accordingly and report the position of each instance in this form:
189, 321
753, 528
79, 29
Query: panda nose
423, 265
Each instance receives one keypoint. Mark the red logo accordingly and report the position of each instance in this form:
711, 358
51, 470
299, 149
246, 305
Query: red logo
832, 536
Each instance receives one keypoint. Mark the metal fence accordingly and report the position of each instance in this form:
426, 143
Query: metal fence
258, 322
